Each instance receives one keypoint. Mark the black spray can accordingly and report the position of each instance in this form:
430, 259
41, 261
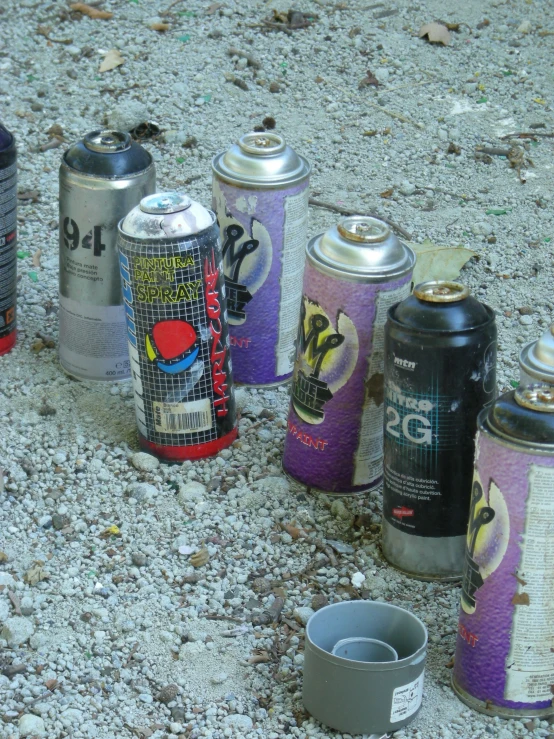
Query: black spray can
440, 371
8, 249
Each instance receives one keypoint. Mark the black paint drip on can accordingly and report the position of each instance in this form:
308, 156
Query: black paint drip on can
8, 239
440, 371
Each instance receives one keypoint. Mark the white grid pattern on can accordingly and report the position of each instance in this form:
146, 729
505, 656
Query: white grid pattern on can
158, 385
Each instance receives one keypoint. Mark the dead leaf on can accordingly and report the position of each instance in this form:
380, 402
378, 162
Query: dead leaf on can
94, 13
36, 574
200, 558
521, 599
112, 60
436, 33
435, 262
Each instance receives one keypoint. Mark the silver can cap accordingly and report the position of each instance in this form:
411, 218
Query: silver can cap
537, 358
166, 214
263, 160
361, 249
107, 142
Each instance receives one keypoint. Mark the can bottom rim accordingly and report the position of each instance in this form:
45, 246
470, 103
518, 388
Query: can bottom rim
333, 493
196, 451
264, 385
501, 712
7, 342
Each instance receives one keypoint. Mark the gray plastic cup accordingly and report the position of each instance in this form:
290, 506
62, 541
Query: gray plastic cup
364, 697
361, 649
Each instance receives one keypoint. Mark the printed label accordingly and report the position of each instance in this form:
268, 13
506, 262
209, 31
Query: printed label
183, 417
530, 662
8, 248
292, 272
406, 700
94, 340
368, 462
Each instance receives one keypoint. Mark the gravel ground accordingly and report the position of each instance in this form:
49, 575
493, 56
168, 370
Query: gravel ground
119, 634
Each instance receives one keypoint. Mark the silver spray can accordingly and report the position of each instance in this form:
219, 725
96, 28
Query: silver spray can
354, 273
260, 196
102, 178
536, 361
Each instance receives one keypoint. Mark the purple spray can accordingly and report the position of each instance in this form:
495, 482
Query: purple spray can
504, 664
354, 273
260, 196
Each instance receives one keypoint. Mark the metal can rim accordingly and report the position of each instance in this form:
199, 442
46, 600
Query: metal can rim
167, 240
520, 445
257, 182
89, 176
358, 277
442, 332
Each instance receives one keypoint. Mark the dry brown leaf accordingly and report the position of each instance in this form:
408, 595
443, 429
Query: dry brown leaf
3, 557
436, 262
294, 531
200, 558
436, 33
112, 60
51, 684
94, 13
521, 599
387, 193
36, 258
160, 26
44, 31
15, 602
211, 9
259, 657
36, 574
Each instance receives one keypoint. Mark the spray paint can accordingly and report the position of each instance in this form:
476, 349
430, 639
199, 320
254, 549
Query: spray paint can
8, 239
504, 663
173, 288
536, 361
260, 196
354, 273
101, 178
440, 371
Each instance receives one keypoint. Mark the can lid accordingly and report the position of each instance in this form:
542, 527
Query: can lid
107, 142
442, 307
440, 291
525, 415
261, 159
109, 154
362, 247
166, 214
165, 202
538, 356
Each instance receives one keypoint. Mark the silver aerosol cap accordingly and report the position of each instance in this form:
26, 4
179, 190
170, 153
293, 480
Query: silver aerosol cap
263, 160
166, 214
107, 142
362, 249
537, 359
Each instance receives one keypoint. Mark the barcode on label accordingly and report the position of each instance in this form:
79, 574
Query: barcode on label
183, 418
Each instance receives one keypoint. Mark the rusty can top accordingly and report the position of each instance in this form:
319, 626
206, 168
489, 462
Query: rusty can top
524, 416
360, 249
262, 160
537, 358
166, 215
441, 291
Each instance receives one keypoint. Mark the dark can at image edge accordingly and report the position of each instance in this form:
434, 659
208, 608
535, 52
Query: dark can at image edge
8, 240
440, 371
173, 289
504, 661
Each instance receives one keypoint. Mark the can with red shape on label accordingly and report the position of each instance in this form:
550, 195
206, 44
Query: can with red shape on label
504, 662
174, 296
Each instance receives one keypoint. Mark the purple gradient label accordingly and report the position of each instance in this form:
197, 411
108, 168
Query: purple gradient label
263, 235
505, 644
335, 426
